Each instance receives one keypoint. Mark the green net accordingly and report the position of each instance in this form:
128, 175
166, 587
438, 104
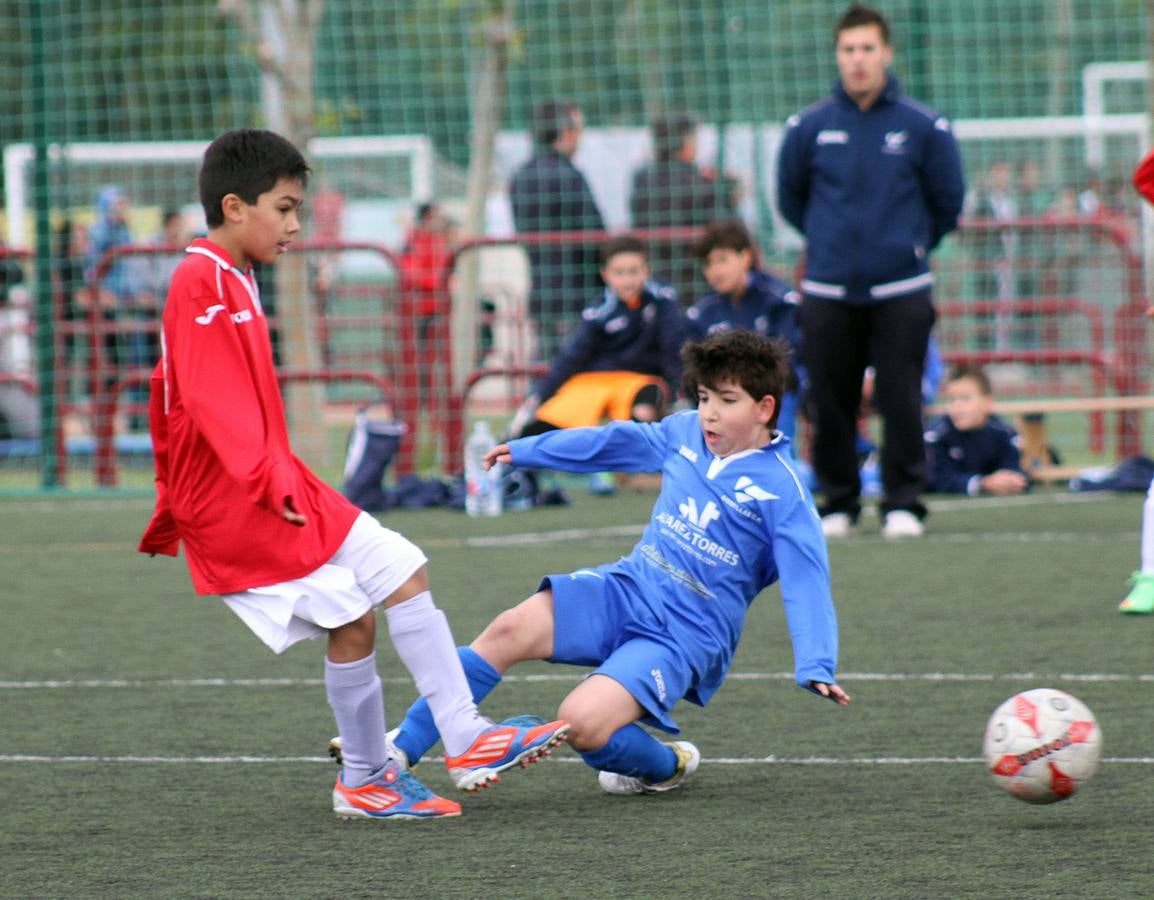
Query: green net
450, 317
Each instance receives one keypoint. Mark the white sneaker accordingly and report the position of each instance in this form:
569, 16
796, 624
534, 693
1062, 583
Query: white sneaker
688, 759
901, 523
393, 752
838, 525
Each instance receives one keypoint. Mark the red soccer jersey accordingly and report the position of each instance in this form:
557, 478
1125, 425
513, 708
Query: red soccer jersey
1144, 177
220, 441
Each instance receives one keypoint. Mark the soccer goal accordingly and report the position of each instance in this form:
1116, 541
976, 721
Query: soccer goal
380, 176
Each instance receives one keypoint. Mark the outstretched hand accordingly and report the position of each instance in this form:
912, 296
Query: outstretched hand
832, 692
499, 455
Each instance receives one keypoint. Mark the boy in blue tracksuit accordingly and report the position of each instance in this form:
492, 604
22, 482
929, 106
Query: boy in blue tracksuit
874, 181
663, 622
622, 361
972, 451
745, 296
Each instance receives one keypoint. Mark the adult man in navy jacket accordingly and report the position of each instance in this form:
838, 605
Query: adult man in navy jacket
874, 181
549, 193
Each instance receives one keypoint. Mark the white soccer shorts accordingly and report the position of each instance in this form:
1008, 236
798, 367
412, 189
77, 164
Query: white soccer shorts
372, 562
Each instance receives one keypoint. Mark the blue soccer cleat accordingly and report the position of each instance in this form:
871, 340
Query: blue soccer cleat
393, 794
517, 741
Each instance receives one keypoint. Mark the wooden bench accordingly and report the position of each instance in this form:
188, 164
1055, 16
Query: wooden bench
1029, 416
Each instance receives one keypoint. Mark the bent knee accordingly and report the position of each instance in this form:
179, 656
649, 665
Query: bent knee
589, 729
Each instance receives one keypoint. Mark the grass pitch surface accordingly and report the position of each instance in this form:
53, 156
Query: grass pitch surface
151, 747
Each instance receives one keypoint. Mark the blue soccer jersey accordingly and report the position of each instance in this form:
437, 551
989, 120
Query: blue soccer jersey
721, 531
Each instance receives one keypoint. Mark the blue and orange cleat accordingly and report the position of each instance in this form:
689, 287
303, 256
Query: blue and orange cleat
393, 794
517, 741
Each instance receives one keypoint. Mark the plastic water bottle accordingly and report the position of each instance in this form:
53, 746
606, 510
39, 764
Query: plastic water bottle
482, 488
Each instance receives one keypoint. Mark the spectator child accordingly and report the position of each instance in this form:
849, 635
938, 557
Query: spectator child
287, 553
746, 296
662, 623
972, 451
622, 361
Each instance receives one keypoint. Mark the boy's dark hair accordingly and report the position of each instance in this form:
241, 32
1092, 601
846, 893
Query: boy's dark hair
550, 118
726, 234
858, 15
976, 374
247, 162
621, 243
669, 133
761, 365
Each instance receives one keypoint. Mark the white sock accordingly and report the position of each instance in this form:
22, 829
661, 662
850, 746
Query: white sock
420, 633
1147, 546
354, 692
1148, 532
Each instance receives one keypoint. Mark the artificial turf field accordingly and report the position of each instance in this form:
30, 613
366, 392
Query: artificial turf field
151, 747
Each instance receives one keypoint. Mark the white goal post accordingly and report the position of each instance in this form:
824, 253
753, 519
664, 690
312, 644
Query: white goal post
417, 149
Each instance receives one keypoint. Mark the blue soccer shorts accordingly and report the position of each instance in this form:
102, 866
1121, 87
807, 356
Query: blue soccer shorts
597, 622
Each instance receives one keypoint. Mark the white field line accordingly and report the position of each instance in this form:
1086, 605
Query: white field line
771, 760
978, 503
616, 532
146, 501
627, 531
845, 678
942, 505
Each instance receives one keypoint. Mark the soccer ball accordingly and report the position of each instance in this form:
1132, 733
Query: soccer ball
1042, 745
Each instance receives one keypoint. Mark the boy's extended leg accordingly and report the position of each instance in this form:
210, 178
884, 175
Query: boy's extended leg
420, 633
417, 733
524, 632
370, 785
476, 751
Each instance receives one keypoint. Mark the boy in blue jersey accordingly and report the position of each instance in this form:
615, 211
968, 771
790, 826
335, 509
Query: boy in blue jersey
749, 297
972, 451
663, 622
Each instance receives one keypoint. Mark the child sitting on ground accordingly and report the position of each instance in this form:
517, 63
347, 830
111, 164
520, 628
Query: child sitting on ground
622, 362
970, 450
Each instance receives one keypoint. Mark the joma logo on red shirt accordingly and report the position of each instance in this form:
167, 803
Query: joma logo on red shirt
244, 315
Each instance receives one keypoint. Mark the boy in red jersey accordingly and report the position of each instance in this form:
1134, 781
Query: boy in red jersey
288, 553
1140, 599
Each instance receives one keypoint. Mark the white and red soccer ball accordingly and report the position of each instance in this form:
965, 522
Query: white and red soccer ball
1042, 745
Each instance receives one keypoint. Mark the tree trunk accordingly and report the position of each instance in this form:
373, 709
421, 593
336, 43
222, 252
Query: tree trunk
285, 33
488, 108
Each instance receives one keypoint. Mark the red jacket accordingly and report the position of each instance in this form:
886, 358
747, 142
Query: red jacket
220, 441
426, 257
1144, 177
